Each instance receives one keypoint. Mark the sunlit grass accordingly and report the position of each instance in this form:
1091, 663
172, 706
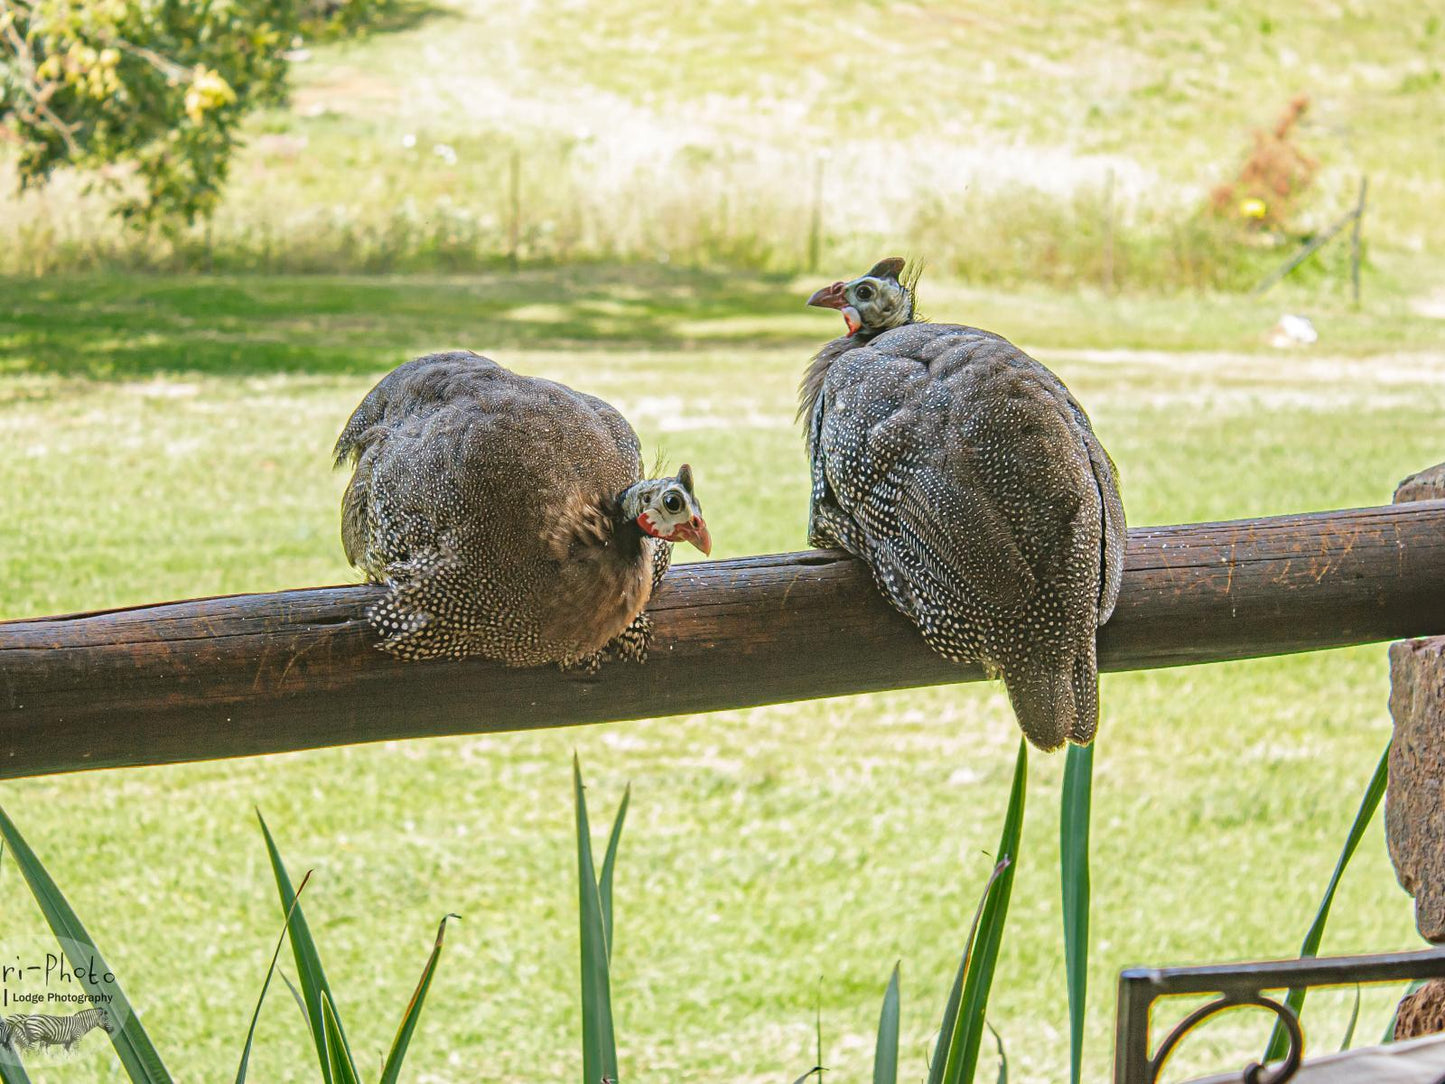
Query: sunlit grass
765, 847
1020, 144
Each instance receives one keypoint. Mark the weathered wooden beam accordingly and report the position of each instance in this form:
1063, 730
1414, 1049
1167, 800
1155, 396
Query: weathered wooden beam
251, 674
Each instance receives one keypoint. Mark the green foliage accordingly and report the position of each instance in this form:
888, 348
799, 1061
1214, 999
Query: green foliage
391, 1070
1295, 999
266, 984
12, 1071
128, 1036
955, 1058
314, 986
1074, 815
885, 1051
599, 1044
318, 1003
148, 96
153, 92
194, 415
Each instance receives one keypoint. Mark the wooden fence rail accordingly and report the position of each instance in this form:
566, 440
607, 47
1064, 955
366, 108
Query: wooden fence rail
248, 674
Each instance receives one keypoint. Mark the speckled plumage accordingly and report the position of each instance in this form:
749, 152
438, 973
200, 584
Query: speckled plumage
489, 503
970, 481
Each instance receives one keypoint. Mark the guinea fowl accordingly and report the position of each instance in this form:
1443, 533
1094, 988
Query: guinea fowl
971, 483
508, 515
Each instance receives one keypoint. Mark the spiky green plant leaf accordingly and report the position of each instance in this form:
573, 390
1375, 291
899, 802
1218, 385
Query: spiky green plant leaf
132, 1045
1354, 1019
609, 861
392, 1069
309, 971
885, 1052
960, 1056
1002, 1055
1074, 812
296, 996
266, 985
1295, 999
599, 1045
339, 1057
818, 1020
12, 1071
955, 993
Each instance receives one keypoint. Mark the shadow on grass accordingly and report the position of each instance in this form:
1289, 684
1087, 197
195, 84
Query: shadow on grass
129, 326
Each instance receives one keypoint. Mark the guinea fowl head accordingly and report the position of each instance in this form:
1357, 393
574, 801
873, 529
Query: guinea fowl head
874, 303
667, 508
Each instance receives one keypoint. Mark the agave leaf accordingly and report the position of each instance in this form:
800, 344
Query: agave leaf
132, 1045
1354, 1019
309, 971
818, 1008
962, 1054
885, 1055
955, 995
609, 860
266, 985
296, 995
392, 1069
1002, 1057
342, 1069
1074, 812
11, 1070
1295, 999
599, 1045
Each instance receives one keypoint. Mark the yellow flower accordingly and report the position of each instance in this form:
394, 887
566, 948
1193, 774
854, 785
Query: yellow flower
208, 90
1252, 208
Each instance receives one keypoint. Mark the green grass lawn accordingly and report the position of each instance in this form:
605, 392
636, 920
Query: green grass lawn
169, 437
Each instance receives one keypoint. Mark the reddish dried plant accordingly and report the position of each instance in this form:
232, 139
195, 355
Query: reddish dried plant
1272, 182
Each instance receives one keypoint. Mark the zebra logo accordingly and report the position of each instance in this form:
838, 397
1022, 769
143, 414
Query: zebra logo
24, 1032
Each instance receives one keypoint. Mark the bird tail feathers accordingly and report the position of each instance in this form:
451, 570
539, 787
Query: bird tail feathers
1057, 703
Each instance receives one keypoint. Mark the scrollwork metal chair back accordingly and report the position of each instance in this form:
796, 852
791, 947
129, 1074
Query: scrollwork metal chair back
1241, 986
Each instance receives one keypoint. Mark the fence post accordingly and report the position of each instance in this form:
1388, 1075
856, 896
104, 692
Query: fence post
1109, 231
514, 217
815, 220
1355, 241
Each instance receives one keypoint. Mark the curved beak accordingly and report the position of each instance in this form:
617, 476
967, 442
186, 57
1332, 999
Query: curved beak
829, 297
696, 533
832, 297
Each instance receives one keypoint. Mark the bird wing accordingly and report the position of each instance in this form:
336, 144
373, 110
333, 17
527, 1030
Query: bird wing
914, 491
1115, 534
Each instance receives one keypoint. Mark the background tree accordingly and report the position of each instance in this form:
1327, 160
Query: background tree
148, 93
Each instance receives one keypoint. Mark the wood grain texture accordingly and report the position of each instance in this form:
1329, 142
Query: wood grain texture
248, 674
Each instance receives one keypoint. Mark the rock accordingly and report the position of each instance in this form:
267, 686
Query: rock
1421, 1013
1415, 795
1414, 809
1293, 330
1428, 485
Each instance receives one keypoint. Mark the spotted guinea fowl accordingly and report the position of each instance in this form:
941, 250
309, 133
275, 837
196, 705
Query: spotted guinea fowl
970, 481
508, 515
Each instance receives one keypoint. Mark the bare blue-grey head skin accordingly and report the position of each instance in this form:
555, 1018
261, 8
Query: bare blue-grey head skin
667, 508
873, 303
